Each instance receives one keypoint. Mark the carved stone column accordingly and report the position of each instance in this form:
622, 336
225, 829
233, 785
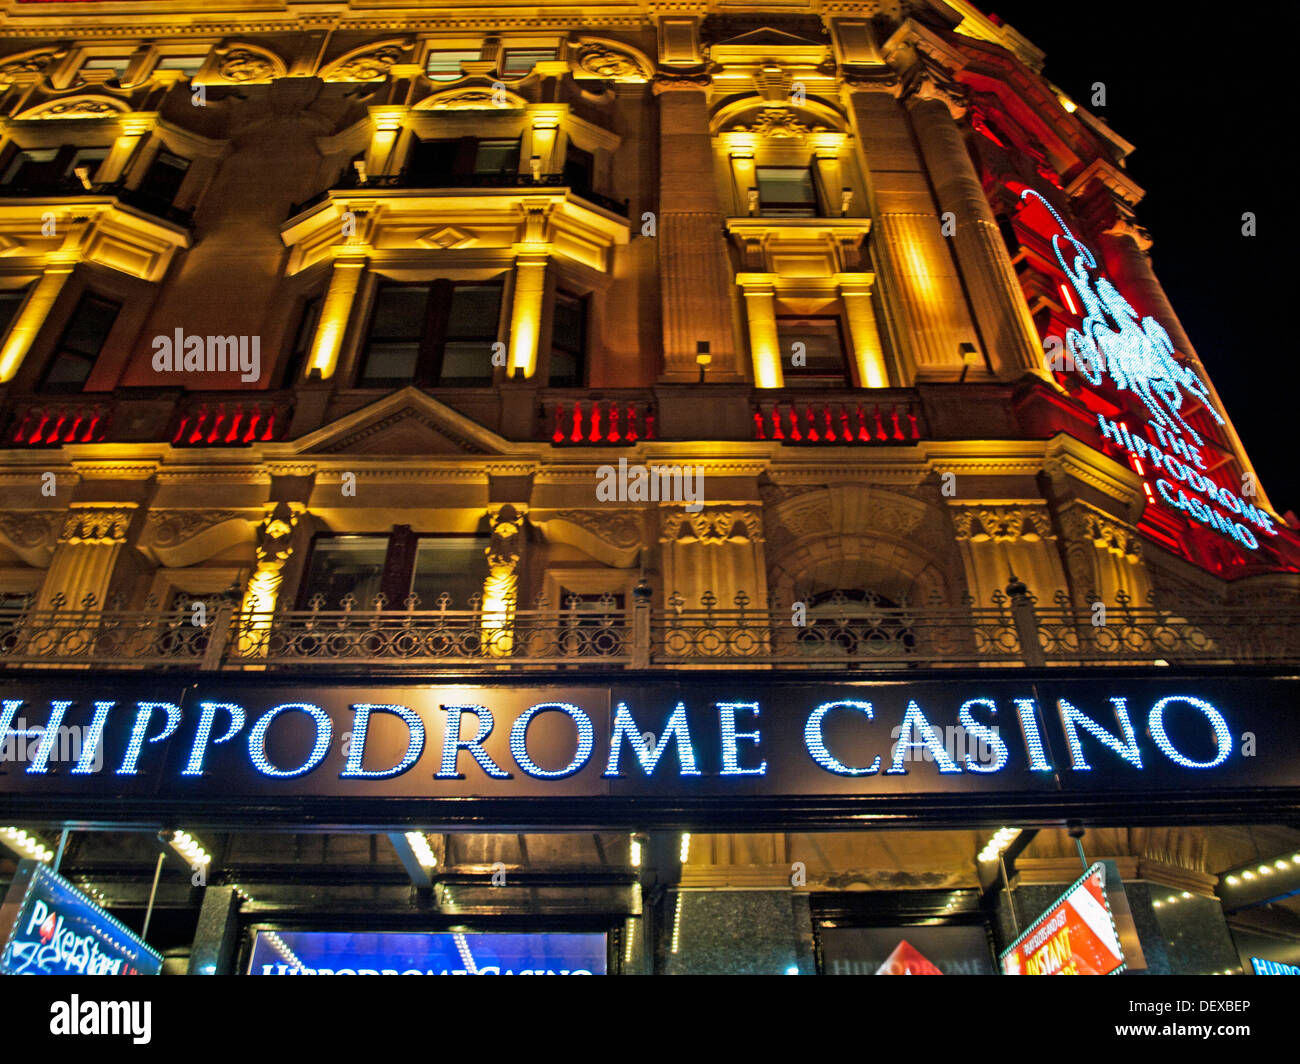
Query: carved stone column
501, 587
1010, 339
695, 272
274, 547
918, 278
718, 550
89, 547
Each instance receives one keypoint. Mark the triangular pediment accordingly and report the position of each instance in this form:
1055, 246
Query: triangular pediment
767, 37
408, 423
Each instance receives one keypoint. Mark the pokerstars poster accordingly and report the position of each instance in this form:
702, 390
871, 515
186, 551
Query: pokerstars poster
1076, 936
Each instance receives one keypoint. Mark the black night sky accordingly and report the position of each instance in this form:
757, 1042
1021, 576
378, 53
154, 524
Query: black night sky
1210, 112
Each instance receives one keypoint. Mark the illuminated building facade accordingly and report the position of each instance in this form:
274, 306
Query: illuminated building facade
633, 345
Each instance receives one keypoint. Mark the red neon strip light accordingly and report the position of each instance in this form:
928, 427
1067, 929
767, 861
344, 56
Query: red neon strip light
1069, 300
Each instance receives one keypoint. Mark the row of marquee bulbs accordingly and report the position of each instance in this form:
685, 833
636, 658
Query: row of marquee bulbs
1263, 870
996, 846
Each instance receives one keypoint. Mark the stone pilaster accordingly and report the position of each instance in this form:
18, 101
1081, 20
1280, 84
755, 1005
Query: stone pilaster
1010, 339
695, 274
89, 547
920, 286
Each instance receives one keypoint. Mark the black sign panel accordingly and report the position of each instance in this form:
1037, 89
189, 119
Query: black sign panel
730, 749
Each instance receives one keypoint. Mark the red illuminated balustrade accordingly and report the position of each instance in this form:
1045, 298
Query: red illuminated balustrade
844, 422
230, 422
55, 423
601, 421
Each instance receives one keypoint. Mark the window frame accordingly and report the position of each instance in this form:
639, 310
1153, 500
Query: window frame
434, 333
795, 377
789, 209
58, 350
580, 356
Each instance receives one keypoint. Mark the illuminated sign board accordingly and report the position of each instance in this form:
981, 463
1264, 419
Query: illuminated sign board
249, 746
425, 953
51, 928
1262, 966
1075, 936
1112, 345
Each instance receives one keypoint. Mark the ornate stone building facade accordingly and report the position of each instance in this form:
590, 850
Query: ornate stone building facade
344, 317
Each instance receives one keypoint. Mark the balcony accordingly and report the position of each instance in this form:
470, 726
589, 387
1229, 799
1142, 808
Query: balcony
72, 187
865, 418
1011, 631
221, 419
551, 183
607, 419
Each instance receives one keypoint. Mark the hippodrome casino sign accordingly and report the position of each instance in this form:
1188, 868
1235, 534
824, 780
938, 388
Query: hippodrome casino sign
231, 746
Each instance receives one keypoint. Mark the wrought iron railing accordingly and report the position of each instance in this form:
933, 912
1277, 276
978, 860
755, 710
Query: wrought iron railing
1011, 630
349, 182
141, 199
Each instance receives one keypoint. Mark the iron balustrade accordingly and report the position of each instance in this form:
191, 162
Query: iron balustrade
350, 182
1012, 630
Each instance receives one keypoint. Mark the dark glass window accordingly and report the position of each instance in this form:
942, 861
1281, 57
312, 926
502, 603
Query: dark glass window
38, 168
439, 333
444, 64
786, 191
519, 61
163, 179
579, 169
83, 338
302, 341
820, 362
116, 63
440, 162
568, 342
456, 565
342, 566
10, 301
189, 65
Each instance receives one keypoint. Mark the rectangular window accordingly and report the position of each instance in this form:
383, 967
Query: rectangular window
302, 341
82, 340
456, 565
786, 191
29, 167
568, 342
116, 63
579, 169
520, 61
163, 179
819, 360
189, 65
437, 163
11, 300
342, 566
497, 157
439, 333
87, 159
444, 64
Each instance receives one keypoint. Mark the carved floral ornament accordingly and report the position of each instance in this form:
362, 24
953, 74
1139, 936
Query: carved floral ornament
371, 63
1104, 532
245, 63
1002, 524
609, 62
78, 107
31, 529
712, 526
96, 525
778, 123
29, 66
170, 528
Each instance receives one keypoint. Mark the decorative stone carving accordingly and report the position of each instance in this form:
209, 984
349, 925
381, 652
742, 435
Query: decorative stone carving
472, 98
170, 528
244, 64
779, 123
30, 529
80, 107
29, 65
97, 524
671, 82
606, 60
1002, 524
1084, 524
712, 525
371, 63
618, 528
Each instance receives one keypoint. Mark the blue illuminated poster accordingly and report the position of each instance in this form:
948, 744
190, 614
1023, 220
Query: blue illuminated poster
50, 928
425, 953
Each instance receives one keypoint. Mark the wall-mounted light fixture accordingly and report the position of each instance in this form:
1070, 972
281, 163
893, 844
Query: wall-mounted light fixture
702, 357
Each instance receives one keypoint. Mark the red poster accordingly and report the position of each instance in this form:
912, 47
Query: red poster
1076, 936
907, 960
